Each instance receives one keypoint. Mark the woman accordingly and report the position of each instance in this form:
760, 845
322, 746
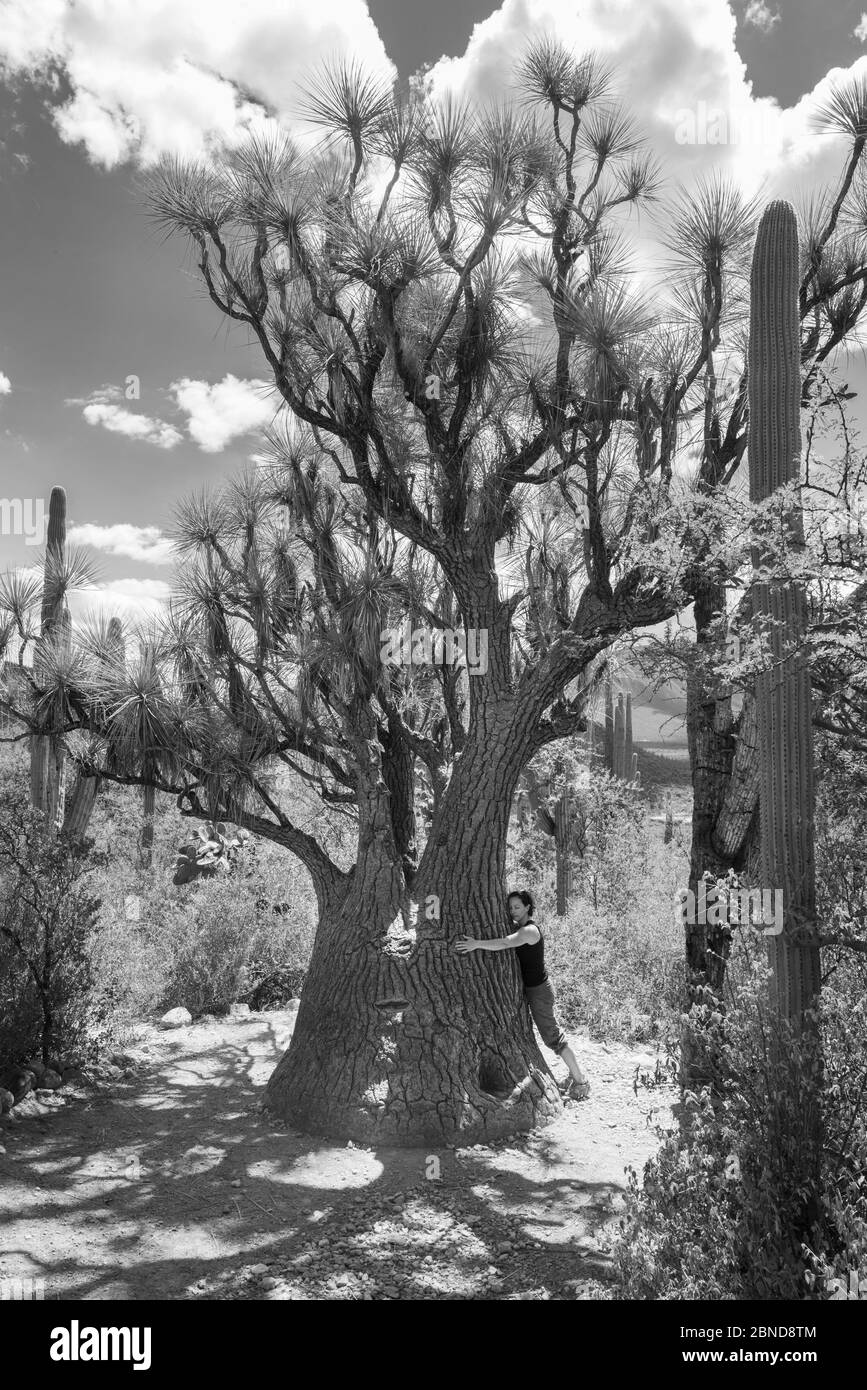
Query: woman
527, 941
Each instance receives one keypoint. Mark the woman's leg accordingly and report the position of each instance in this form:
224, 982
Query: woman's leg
540, 999
579, 1080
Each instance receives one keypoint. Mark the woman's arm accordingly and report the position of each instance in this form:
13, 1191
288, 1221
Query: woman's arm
524, 936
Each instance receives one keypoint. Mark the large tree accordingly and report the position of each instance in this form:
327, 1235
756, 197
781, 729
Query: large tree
396, 289
442, 302
480, 432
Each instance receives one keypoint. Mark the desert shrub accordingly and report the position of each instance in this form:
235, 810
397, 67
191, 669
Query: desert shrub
730, 1206
207, 966
203, 945
48, 915
271, 985
214, 943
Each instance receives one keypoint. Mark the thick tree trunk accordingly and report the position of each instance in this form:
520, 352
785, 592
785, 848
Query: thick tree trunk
725, 781
146, 845
723, 760
399, 1039
563, 846
711, 753
79, 807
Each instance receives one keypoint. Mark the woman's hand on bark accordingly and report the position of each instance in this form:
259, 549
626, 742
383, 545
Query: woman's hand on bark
464, 944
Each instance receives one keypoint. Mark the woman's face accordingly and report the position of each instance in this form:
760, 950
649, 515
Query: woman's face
519, 911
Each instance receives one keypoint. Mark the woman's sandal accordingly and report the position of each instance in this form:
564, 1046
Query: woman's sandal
577, 1090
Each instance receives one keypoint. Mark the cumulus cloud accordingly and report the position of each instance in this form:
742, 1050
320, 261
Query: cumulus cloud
144, 543
5, 384
219, 413
132, 600
102, 407
758, 15
146, 78
149, 78
677, 69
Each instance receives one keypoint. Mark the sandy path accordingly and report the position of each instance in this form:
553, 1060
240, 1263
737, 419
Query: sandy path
173, 1185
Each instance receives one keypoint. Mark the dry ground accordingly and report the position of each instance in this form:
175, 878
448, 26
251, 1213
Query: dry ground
171, 1184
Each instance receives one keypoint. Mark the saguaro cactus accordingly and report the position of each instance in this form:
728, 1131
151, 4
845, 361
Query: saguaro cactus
566, 829
47, 751
609, 728
619, 758
627, 739
668, 832
785, 732
619, 737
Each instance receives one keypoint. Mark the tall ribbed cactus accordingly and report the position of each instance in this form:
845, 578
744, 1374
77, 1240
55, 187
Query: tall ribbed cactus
785, 732
561, 826
619, 736
618, 756
47, 751
608, 746
627, 739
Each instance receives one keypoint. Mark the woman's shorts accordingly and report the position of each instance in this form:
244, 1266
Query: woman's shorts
540, 1000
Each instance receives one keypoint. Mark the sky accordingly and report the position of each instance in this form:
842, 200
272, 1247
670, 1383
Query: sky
118, 379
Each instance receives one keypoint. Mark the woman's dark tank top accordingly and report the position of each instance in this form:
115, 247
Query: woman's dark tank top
531, 959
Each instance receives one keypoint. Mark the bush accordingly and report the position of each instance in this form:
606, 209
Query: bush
731, 1206
217, 947
271, 986
204, 945
48, 914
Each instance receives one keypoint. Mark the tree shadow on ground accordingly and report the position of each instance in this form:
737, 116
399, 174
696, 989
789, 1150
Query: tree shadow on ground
171, 1185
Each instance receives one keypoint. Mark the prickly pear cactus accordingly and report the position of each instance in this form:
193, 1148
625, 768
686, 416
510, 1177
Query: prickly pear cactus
212, 852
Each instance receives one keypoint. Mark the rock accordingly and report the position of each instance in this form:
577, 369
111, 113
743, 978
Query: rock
176, 1018
31, 1106
38, 1067
236, 1182
2, 1151
49, 1098
18, 1080
49, 1081
270, 1281
122, 1060
73, 1076
258, 1269
7, 1100
239, 1010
